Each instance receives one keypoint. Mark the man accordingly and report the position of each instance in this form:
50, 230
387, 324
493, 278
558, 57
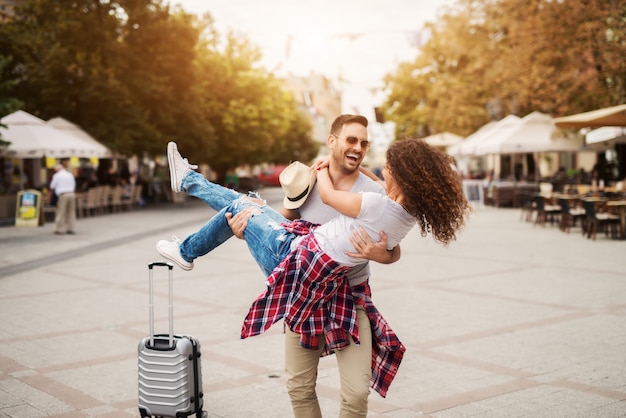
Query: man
348, 144
63, 185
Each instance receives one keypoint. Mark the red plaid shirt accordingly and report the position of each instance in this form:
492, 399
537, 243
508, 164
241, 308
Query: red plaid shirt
309, 290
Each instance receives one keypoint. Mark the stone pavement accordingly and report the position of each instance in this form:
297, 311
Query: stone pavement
512, 320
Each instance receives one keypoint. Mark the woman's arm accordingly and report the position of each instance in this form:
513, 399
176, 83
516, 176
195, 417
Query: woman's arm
348, 203
290, 214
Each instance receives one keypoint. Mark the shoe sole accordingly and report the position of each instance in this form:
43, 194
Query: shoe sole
171, 148
164, 255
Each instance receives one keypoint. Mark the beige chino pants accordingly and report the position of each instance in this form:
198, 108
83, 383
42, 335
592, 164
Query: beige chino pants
65, 217
355, 372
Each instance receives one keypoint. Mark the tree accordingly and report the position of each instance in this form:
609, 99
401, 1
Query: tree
297, 142
141, 74
159, 51
253, 118
445, 89
129, 79
489, 58
560, 56
8, 104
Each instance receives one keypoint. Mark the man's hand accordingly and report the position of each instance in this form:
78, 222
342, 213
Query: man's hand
373, 251
239, 222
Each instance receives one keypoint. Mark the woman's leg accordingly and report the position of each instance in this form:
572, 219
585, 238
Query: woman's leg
214, 195
267, 241
210, 236
184, 178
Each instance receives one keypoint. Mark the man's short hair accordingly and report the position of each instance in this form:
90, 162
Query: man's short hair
341, 120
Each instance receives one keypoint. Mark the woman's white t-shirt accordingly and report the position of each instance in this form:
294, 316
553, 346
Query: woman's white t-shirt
378, 213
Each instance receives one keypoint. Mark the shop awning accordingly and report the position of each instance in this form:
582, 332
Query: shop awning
609, 116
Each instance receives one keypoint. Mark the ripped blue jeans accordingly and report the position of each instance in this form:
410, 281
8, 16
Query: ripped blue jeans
267, 241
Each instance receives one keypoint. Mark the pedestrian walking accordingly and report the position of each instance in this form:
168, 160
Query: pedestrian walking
63, 185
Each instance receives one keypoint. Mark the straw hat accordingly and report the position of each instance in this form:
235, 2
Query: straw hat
297, 181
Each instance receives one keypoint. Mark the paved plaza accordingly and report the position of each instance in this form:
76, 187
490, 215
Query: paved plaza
511, 320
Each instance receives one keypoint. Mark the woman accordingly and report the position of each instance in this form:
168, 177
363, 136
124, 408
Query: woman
421, 188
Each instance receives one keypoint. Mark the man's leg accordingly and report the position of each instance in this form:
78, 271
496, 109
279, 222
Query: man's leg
71, 212
355, 370
60, 219
301, 367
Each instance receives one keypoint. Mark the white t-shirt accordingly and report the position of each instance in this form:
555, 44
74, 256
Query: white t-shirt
313, 210
63, 182
378, 213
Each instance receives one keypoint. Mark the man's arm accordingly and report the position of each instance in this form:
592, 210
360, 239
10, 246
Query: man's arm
373, 251
239, 222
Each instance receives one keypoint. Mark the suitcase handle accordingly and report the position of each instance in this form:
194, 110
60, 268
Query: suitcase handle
170, 309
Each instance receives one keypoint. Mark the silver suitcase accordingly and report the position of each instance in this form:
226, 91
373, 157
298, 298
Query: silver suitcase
170, 374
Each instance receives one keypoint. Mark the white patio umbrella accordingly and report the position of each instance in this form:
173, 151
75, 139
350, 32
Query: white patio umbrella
490, 130
536, 132
31, 137
91, 145
443, 140
608, 116
605, 137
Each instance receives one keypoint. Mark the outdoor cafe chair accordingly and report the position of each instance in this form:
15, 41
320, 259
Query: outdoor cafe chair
570, 214
595, 219
545, 211
528, 206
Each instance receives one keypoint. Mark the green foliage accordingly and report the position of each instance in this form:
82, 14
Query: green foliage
253, 119
8, 103
136, 74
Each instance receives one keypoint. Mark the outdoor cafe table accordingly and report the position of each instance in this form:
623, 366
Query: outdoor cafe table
596, 199
574, 199
620, 205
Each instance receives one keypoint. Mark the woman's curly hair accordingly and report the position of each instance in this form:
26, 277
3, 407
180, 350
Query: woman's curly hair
432, 189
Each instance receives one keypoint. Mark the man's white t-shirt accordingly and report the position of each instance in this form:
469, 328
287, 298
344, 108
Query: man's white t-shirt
63, 182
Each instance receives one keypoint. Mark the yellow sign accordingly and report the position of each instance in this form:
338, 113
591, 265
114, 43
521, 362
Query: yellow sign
28, 208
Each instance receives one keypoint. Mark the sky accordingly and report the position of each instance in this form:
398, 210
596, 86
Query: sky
354, 43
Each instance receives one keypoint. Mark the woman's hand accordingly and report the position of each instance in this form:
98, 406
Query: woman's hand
321, 163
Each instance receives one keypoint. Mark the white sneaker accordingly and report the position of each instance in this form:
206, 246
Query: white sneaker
171, 251
179, 166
